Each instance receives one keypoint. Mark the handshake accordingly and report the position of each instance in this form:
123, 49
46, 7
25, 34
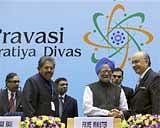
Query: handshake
115, 113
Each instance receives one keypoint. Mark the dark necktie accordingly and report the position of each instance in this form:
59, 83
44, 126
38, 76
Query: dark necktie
12, 107
60, 106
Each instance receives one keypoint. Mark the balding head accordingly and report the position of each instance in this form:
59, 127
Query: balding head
140, 62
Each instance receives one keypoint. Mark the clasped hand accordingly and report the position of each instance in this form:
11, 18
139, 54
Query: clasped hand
115, 113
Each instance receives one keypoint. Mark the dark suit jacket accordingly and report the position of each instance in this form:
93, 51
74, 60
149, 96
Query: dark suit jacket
37, 97
4, 103
146, 98
70, 108
129, 93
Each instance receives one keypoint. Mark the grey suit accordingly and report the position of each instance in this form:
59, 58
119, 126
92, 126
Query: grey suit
146, 98
4, 103
37, 96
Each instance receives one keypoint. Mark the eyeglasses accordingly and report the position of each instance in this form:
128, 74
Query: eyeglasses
117, 76
14, 81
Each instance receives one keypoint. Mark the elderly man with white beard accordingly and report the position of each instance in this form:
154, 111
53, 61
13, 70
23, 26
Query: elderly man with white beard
102, 98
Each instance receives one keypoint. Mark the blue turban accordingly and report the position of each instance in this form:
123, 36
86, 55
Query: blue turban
103, 61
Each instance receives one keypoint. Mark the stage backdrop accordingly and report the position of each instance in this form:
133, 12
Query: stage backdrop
77, 34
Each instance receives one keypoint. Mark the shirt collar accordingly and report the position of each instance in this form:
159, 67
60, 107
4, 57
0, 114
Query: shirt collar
9, 93
63, 96
143, 74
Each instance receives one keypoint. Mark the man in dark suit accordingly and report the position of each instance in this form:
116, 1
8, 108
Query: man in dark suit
39, 90
117, 77
10, 98
65, 105
146, 99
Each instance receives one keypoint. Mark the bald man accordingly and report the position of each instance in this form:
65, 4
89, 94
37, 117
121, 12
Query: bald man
102, 98
146, 99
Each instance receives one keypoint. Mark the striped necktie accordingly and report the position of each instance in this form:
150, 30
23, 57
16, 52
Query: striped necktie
12, 107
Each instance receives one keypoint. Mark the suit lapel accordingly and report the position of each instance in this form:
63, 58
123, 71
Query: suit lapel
143, 80
18, 99
66, 103
5, 100
138, 88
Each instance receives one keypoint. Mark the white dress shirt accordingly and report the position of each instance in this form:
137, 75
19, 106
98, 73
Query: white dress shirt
90, 110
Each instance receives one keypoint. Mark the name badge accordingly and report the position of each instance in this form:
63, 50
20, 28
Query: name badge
52, 106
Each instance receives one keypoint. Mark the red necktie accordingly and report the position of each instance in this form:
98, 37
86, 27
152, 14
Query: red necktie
12, 107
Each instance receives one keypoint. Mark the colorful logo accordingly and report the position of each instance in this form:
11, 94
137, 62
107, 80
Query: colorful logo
118, 33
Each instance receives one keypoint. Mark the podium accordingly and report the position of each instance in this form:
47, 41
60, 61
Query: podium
91, 122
